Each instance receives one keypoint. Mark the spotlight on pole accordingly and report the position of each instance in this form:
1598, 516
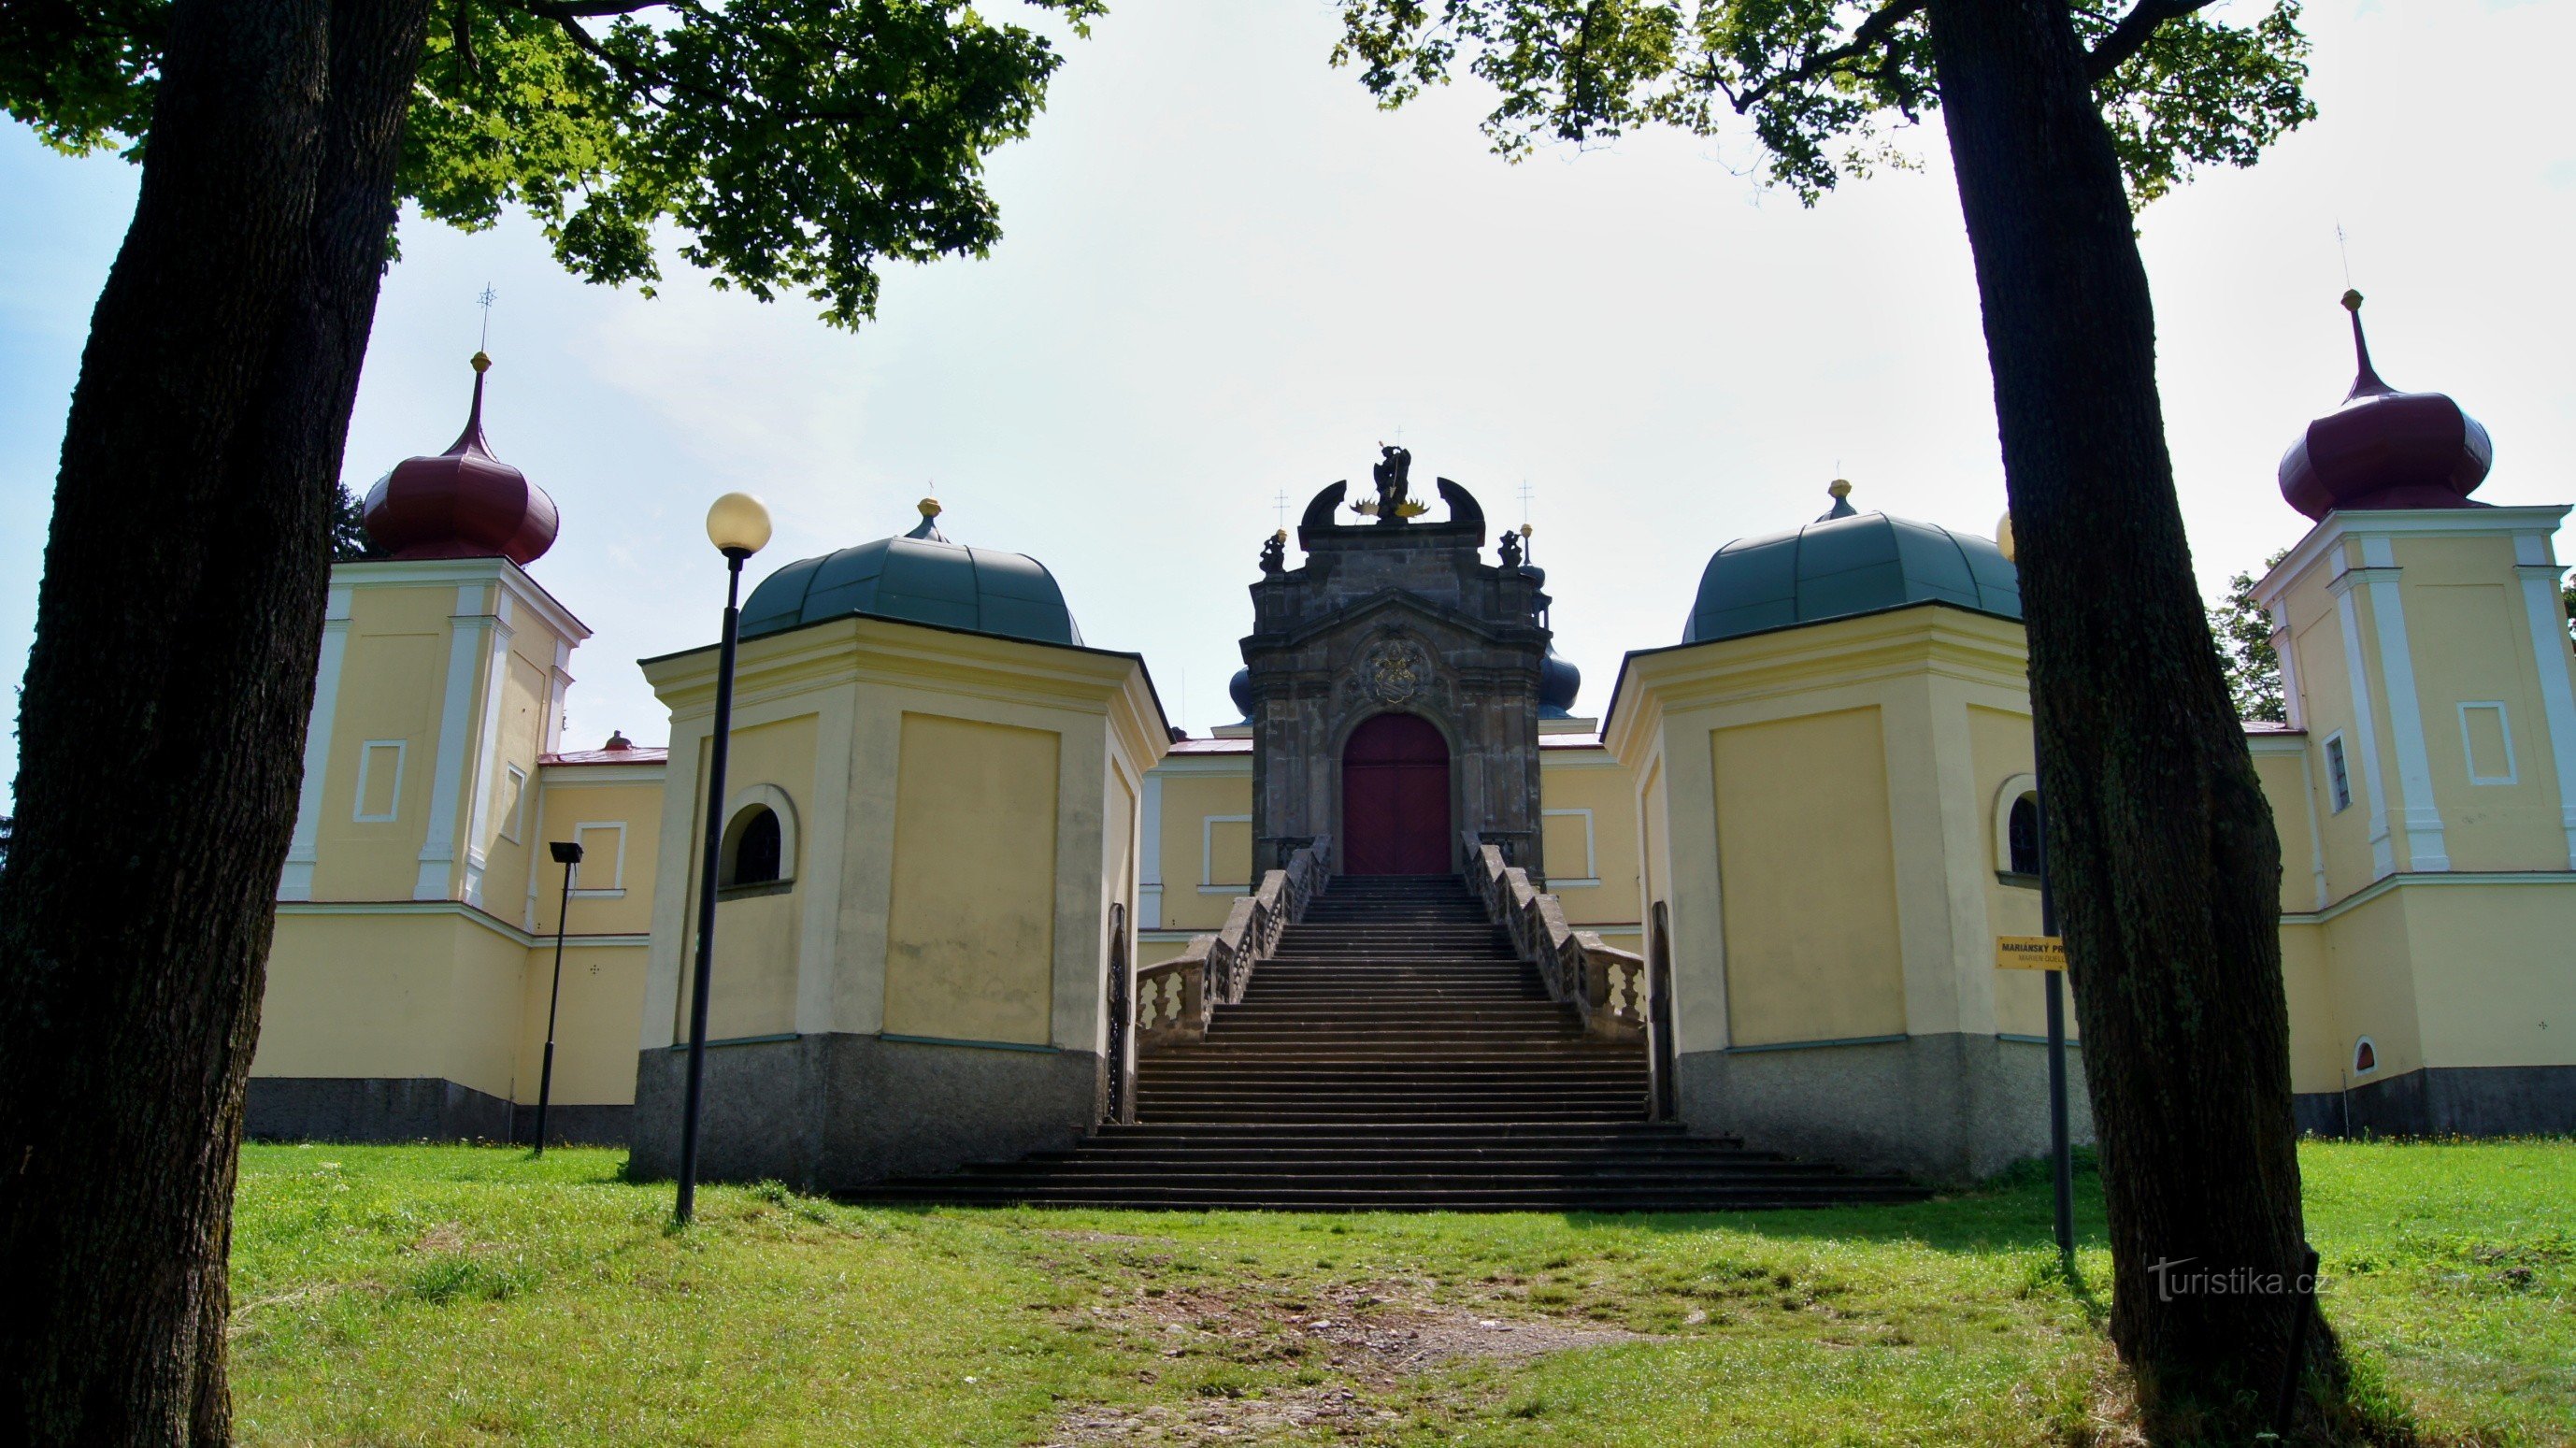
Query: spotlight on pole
567, 853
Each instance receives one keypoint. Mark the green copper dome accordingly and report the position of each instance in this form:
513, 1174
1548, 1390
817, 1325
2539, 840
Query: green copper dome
1847, 563
919, 578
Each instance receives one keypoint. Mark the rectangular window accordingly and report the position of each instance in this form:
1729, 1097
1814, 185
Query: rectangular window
380, 769
2487, 741
2338, 777
1567, 834
1225, 854
603, 859
514, 802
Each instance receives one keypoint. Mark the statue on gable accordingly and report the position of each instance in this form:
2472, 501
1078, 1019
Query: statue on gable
1511, 549
1274, 553
1393, 472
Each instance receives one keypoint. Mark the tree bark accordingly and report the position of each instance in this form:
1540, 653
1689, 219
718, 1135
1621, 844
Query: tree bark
162, 722
2161, 845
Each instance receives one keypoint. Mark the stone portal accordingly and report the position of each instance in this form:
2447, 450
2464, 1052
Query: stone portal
1394, 617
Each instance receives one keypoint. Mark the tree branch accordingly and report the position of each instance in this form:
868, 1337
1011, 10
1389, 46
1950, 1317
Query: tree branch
2132, 33
1871, 34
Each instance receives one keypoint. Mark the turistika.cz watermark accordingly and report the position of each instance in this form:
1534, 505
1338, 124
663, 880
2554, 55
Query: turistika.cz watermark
2177, 1277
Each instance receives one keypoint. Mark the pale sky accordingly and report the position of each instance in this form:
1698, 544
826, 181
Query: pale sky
1227, 275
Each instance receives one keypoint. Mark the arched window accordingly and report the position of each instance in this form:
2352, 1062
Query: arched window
2365, 1056
755, 848
2021, 834
758, 855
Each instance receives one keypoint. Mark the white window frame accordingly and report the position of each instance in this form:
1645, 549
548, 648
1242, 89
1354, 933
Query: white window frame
366, 756
2338, 780
773, 799
2468, 747
617, 876
1591, 851
2005, 798
515, 826
2358, 1069
1207, 857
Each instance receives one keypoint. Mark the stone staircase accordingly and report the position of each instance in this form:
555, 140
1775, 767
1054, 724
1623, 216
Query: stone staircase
1392, 1054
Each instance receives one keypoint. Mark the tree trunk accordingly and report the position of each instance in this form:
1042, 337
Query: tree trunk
2161, 845
162, 723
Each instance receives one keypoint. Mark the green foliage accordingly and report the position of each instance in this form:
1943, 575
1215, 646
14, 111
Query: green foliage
1824, 83
349, 540
2567, 603
795, 144
457, 1294
2243, 629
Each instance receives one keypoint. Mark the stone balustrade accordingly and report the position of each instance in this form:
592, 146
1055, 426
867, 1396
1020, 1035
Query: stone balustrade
1175, 997
1606, 986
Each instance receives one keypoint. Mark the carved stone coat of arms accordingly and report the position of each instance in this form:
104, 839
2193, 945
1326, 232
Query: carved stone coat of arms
1395, 671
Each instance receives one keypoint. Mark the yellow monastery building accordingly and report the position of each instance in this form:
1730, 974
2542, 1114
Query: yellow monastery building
979, 904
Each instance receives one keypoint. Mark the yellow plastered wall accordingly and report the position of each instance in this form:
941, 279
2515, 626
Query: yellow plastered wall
971, 931
391, 689
1589, 814
582, 800
603, 995
2318, 1040
2372, 978
760, 937
358, 996
1207, 842
2495, 973
394, 997
1808, 864
2326, 687
2494, 775
2000, 743
2284, 767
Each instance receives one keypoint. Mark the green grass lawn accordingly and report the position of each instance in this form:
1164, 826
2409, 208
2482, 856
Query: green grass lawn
424, 1294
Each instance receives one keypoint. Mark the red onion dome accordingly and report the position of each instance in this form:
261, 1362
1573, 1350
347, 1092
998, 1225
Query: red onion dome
463, 503
2385, 449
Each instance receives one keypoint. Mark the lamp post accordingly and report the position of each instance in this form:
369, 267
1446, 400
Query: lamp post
567, 853
739, 527
2061, 1149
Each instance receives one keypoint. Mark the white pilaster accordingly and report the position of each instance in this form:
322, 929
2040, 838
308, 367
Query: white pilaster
465, 655
1149, 852
487, 748
2425, 848
2294, 701
2549, 651
2383, 852
295, 882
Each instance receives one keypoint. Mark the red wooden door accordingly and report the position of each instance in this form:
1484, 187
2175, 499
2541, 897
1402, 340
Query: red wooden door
1395, 798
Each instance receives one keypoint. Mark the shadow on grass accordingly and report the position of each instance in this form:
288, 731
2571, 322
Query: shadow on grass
2014, 1210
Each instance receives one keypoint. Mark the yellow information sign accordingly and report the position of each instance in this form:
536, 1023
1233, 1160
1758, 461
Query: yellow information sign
2030, 952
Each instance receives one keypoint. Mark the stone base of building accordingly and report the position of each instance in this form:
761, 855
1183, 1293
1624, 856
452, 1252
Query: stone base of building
2449, 1101
823, 1113
343, 1108
1947, 1108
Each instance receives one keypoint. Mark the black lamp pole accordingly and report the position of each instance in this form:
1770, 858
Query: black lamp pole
2061, 1148
688, 1202
567, 853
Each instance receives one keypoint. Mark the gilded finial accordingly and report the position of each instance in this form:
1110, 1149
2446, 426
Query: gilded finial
1527, 530
930, 507
1840, 488
2351, 300
1280, 537
1842, 508
480, 361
